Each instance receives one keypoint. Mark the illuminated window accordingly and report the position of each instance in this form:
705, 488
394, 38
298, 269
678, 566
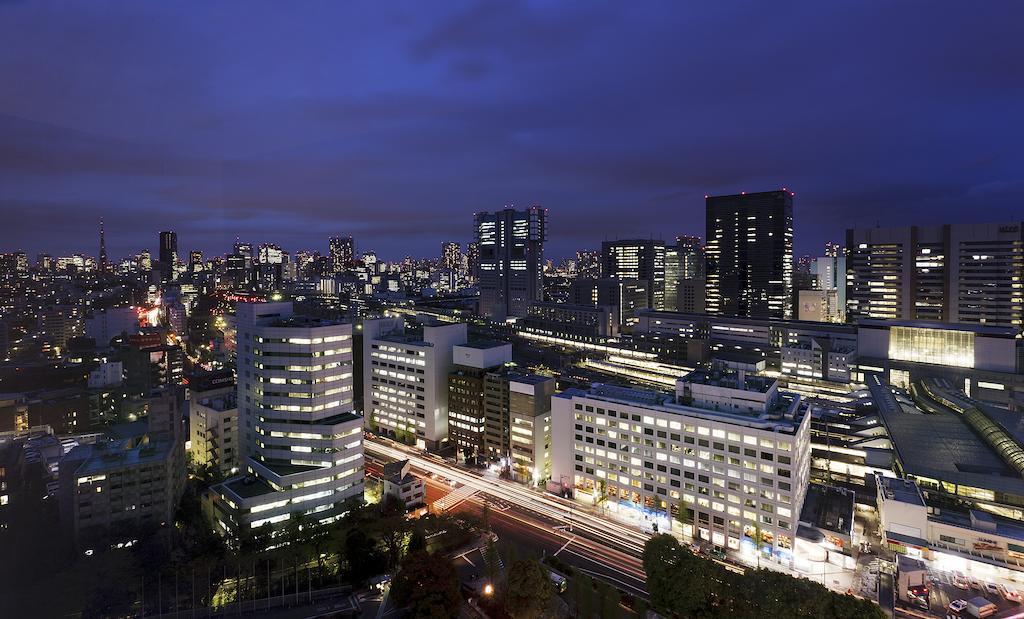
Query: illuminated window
934, 346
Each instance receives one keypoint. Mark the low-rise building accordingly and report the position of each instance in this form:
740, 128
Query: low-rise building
402, 485
820, 358
589, 323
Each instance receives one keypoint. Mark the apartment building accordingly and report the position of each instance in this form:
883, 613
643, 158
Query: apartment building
213, 432
130, 479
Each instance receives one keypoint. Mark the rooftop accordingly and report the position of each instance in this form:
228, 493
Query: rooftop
902, 490
940, 445
221, 403
307, 322
529, 379
485, 344
248, 486
656, 400
979, 329
730, 378
829, 508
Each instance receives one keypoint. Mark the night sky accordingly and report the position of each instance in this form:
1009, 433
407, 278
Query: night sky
393, 122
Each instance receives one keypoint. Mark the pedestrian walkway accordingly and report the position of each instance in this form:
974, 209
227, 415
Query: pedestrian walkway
454, 498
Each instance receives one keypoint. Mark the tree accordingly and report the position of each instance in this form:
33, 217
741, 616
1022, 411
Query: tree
684, 513
363, 559
680, 582
528, 590
428, 585
417, 541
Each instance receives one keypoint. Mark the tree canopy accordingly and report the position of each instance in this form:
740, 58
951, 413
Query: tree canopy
528, 589
683, 584
428, 586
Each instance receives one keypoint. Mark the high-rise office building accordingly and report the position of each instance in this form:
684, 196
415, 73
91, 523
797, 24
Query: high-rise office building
637, 259
451, 255
511, 245
953, 273
301, 436
473, 260
104, 264
684, 269
749, 254
168, 255
691, 256
342, 253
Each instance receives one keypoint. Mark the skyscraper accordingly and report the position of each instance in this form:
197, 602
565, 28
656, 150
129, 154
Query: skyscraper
640, 259
511, 258
103, 249
168, 255
451, 255
342, 253
691, 256
953, 273
684, 272
749, 254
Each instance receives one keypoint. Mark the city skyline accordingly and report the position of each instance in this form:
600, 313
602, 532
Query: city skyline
194, 126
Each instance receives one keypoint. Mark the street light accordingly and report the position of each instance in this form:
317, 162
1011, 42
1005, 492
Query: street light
488, 589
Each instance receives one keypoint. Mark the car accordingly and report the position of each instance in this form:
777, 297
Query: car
992, 588
1010, 594
957, 606
975, 583
960, 582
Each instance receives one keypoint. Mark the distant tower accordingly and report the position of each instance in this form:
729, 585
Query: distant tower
103, 249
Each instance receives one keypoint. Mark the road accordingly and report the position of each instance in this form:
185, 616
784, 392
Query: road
519, 515
613, 534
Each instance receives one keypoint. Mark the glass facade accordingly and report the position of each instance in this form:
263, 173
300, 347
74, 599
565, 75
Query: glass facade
934, 346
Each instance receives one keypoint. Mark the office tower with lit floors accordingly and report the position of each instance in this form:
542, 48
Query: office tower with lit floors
637, 259
511, 259
301, 437
749, 255
971, 273
342, 253
405, 379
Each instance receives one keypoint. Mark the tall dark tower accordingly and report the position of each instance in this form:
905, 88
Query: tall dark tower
168, 255
103, 249
749, 255
511, 246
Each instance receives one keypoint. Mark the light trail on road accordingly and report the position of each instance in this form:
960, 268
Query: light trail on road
561, 510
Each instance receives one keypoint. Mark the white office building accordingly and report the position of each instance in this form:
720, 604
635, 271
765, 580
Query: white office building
740, 473
303, 440
405, 379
